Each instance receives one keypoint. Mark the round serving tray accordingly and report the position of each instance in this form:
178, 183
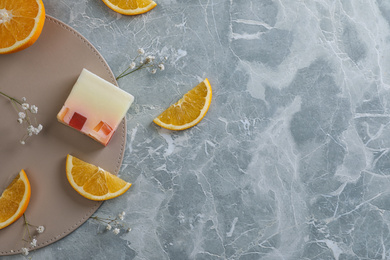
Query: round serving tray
45, 74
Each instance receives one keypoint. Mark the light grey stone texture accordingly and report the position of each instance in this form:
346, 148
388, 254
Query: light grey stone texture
292, 160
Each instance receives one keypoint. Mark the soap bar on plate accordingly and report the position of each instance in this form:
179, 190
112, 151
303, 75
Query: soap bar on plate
95, 107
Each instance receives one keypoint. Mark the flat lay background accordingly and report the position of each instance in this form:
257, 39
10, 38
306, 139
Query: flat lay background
292, 160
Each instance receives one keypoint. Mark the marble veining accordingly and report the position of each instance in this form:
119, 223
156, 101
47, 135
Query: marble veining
292, 160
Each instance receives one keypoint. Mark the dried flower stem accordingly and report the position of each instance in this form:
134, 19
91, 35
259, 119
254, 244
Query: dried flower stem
144, 62
128, 73
26, 228
11, 98
103, 220
31, 239
25, 113
115, 223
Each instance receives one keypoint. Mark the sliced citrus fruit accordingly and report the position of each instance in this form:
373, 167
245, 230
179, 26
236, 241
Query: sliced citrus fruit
189, 110
130, 7
21, 23
14, 200
92, 182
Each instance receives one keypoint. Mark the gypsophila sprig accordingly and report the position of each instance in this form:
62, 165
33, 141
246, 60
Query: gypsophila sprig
114, 224
26, 116
25, 251
144, 61
30, 236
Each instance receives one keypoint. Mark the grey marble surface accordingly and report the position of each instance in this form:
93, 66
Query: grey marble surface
292, 160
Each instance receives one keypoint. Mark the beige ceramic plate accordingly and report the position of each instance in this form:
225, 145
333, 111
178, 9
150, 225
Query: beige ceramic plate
45, 73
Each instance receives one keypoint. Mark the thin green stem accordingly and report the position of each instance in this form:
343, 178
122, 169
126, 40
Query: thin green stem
10, 98
138, 68
120, 75
104, 220
26, 227
124, 75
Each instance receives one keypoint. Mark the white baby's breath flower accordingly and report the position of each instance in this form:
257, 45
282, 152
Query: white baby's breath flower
144, 61
132, 65
40, 127
33, 242
25, 251
30, 130
22, 142
25, 115
22, 115
40, 229
128, 230
116, 231
141, 51
25, 106
108, 227
122, 215
149, 59
34, 109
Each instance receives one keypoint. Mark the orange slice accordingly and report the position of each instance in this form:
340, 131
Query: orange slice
92, 182
189, 110
21, 23
130, 7
14, 200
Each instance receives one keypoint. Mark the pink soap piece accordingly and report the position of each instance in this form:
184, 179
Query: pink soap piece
77, 121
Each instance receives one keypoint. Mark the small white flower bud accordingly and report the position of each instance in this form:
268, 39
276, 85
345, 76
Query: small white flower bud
40, 229
34, 109
161, 67
122, 215
34, 242
149, 59
108, 227
116, 231
141, 51
22, 115
24, 251
153, 71
20, 121
30, 129
25, 106
132, 65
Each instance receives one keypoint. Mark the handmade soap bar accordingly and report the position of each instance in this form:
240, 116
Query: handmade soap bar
95, 107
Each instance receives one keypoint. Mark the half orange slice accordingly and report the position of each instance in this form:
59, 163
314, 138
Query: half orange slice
21, 24
189, 110
14, 200
130, 7
92, 182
